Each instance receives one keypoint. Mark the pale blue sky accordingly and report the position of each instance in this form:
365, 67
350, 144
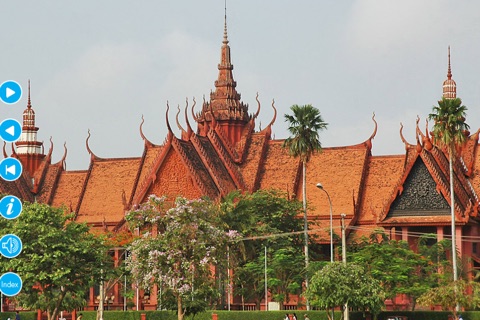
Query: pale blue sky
100, 65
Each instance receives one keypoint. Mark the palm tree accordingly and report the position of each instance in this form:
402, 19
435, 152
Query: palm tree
303, 126
449, 131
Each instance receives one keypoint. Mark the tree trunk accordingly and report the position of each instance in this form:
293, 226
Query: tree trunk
179, 307
454, 233
305, 226
52, 314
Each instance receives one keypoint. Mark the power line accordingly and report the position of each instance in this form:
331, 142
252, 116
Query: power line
357, 228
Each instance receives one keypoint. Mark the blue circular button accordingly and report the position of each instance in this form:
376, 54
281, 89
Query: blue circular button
10, 284
10, 92
10, 207
10, 169
10, 246
10, 130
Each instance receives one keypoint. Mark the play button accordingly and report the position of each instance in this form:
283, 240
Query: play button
10, 130
10, 92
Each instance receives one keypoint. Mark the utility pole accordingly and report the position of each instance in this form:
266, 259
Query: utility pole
344, 259
266, 286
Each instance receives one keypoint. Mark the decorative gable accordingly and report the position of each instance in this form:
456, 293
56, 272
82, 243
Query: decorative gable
420, 196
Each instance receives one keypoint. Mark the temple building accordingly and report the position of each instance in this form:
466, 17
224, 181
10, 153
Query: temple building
218, 150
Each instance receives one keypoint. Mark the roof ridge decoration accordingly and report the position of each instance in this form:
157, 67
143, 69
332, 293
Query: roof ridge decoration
226, 158
469, 151
142, 135
268, 128
214, 170
138, 196
410, 159
193, 107
92, 155
215, 135
178, 146
41, 170
170, 132
183, 131
14, 153
462, 188
84, 187
368, 142
418, 133
64, 164
189, 127
258, 108
143, 186
407, 144
137, 176
427, 143
49, 155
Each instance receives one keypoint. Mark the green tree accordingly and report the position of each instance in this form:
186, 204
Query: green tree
191, 239
304, 126
399, 268
449, 131
265, 218
59, 262
448, 296
396, 266
337, 284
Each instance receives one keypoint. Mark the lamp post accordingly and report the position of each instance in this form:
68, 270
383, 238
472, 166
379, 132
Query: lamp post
319, 186
344, 259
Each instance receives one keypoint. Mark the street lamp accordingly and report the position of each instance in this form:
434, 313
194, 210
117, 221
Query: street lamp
319, 186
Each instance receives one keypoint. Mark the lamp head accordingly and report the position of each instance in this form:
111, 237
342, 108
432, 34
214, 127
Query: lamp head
319, 186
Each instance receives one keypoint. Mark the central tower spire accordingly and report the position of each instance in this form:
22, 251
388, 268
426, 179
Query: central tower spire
225, 107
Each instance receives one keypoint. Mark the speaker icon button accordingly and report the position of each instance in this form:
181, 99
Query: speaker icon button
10, 246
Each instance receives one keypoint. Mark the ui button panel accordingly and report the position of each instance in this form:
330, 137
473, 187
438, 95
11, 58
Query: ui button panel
10, 284
10, 92
10, 246
10, 130
10, 169
10, 207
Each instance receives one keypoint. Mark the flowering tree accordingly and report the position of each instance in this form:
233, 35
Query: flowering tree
180, 259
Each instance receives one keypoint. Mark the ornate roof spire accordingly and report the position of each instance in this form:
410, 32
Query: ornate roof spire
29, 103
449, 85
28, 148
225, 106
225, 35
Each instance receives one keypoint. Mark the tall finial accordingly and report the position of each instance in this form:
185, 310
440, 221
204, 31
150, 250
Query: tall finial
449, 73
449, 85
225, 38
29, 102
